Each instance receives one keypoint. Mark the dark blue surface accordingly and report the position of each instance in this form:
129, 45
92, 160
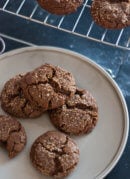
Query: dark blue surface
115, 61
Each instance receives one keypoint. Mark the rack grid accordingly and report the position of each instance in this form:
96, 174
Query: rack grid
79, 23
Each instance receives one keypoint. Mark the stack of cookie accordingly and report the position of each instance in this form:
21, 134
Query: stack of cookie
72, 110
53, 89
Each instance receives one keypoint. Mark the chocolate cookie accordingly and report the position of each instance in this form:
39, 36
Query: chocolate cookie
54, 154
78, 116
12, 135
48, 86
14, 103
111, 14
61, 7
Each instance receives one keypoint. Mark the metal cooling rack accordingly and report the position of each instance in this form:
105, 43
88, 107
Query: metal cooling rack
79, 23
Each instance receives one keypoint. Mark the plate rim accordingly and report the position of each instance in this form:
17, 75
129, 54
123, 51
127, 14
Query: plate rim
84, 58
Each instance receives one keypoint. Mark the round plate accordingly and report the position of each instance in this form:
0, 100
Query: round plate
101, 149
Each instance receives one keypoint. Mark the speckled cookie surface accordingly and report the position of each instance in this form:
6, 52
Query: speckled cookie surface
111, 14
48, 86
14, 103
54, 154
12, 135
60, 7
78, 116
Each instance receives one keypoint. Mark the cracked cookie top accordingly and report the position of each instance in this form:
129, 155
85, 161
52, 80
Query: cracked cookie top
54, 154
78, 116
14, 102
111, 14
60, 7
12, 135
48, 86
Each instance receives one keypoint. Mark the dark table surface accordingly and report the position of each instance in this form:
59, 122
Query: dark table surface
18, 32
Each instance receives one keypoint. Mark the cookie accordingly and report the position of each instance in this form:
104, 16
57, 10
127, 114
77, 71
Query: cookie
14, 103
78, 116
61, 7
48, 86
54, 154
111, 14
12, 135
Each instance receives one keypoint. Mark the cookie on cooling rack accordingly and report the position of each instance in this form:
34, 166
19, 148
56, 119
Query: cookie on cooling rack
12, 135
54, 154
14, 102
111, 14
78, 116
61, 7
48, 86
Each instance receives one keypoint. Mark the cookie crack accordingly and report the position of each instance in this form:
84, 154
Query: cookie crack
53, 73
10, 132
57, 89
38, 83
65, 143
11, 97
58, 153
50, 103
21, 142
59, 167
32, 99
5, 142
55, 85
23, 107
80, 106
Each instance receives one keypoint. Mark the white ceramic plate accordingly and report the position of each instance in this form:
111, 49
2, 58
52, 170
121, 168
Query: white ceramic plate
101, 149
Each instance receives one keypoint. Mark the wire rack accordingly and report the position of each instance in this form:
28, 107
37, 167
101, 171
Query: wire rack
79, 23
